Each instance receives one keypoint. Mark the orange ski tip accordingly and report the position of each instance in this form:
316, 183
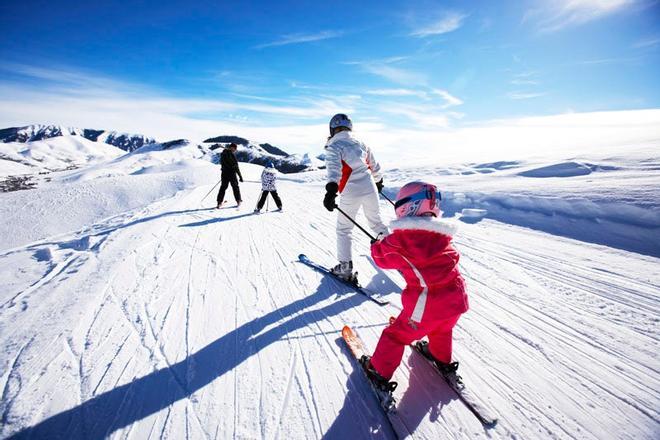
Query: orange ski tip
346, 331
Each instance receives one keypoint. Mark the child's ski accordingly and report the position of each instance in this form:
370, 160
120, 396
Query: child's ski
356, 286
485, 415
384, 396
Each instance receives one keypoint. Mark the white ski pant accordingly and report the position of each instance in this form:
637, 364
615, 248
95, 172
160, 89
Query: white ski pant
350, 205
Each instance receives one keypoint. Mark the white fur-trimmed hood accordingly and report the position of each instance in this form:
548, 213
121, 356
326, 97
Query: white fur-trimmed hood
445, 227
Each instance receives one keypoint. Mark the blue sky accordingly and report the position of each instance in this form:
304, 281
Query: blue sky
429, 65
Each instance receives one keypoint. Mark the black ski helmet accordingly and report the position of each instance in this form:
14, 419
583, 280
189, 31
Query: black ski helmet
340, 120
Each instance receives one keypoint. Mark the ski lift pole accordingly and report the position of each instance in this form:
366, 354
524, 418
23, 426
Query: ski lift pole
355, 223
211, 190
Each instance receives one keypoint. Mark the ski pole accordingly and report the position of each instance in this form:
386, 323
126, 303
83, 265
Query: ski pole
387, 198
211, 190
355, 223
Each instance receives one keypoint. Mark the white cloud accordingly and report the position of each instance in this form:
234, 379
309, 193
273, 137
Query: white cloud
450, 100
606, 61
398, 92
647, 43
385, 69
422, 116
516, 139
524, 82
525, 95
449, 22
560, 14
301, 38
526, 74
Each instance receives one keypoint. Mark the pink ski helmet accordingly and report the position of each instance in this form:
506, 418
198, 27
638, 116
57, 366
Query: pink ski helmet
416, 199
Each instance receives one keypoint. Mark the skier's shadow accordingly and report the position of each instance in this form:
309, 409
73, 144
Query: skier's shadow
381, 282
105, 413
215, 220
426, 396
360, 415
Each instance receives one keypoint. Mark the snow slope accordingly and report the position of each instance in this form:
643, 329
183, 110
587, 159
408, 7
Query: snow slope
53, 154
158, 317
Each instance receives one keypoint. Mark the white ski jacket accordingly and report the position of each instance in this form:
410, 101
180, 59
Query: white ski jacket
351, 165
268, 178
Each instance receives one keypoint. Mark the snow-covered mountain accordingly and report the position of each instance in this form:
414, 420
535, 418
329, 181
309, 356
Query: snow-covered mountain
262, 154
52, 154
37, 132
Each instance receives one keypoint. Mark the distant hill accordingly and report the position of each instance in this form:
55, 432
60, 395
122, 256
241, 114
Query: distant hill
228, 139
262, 154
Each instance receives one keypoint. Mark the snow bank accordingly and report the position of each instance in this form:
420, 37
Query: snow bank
565, 169
609, 199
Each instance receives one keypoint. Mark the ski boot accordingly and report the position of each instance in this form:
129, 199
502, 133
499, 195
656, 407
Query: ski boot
344, 270
447, 370
379, 381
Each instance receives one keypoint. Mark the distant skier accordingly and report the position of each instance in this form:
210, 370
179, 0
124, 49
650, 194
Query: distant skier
268, 178
354, 172
435, 297
228, 175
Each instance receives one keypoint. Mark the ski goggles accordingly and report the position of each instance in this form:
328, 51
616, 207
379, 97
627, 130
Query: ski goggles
428, 194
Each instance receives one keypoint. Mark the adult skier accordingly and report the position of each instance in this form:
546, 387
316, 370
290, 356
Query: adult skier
268, 178
228, 174
354, 172
420, 248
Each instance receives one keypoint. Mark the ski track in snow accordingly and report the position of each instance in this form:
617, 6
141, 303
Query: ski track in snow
176, 321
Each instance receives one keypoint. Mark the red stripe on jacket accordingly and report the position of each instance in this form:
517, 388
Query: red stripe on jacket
345, 174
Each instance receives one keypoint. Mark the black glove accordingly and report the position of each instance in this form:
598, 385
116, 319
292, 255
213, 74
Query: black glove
240, 179
331, 189
380, 186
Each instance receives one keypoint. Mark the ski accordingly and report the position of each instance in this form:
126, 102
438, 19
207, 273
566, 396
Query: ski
455, 382
385, 398
356, 286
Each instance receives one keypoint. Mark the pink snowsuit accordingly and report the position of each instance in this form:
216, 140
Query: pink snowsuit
434, 297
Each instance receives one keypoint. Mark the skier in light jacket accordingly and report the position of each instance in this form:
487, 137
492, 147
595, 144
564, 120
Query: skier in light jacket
419, 247
354, 172
268, 178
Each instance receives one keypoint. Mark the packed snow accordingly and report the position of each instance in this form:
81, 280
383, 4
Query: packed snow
131, 308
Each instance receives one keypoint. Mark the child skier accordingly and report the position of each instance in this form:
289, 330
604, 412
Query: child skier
354, 172
268, 178
434, 297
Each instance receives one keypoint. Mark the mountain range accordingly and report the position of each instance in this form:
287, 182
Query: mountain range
41, 148
39, 132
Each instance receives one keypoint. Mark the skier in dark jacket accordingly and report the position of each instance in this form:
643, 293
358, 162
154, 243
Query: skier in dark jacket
228, 175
